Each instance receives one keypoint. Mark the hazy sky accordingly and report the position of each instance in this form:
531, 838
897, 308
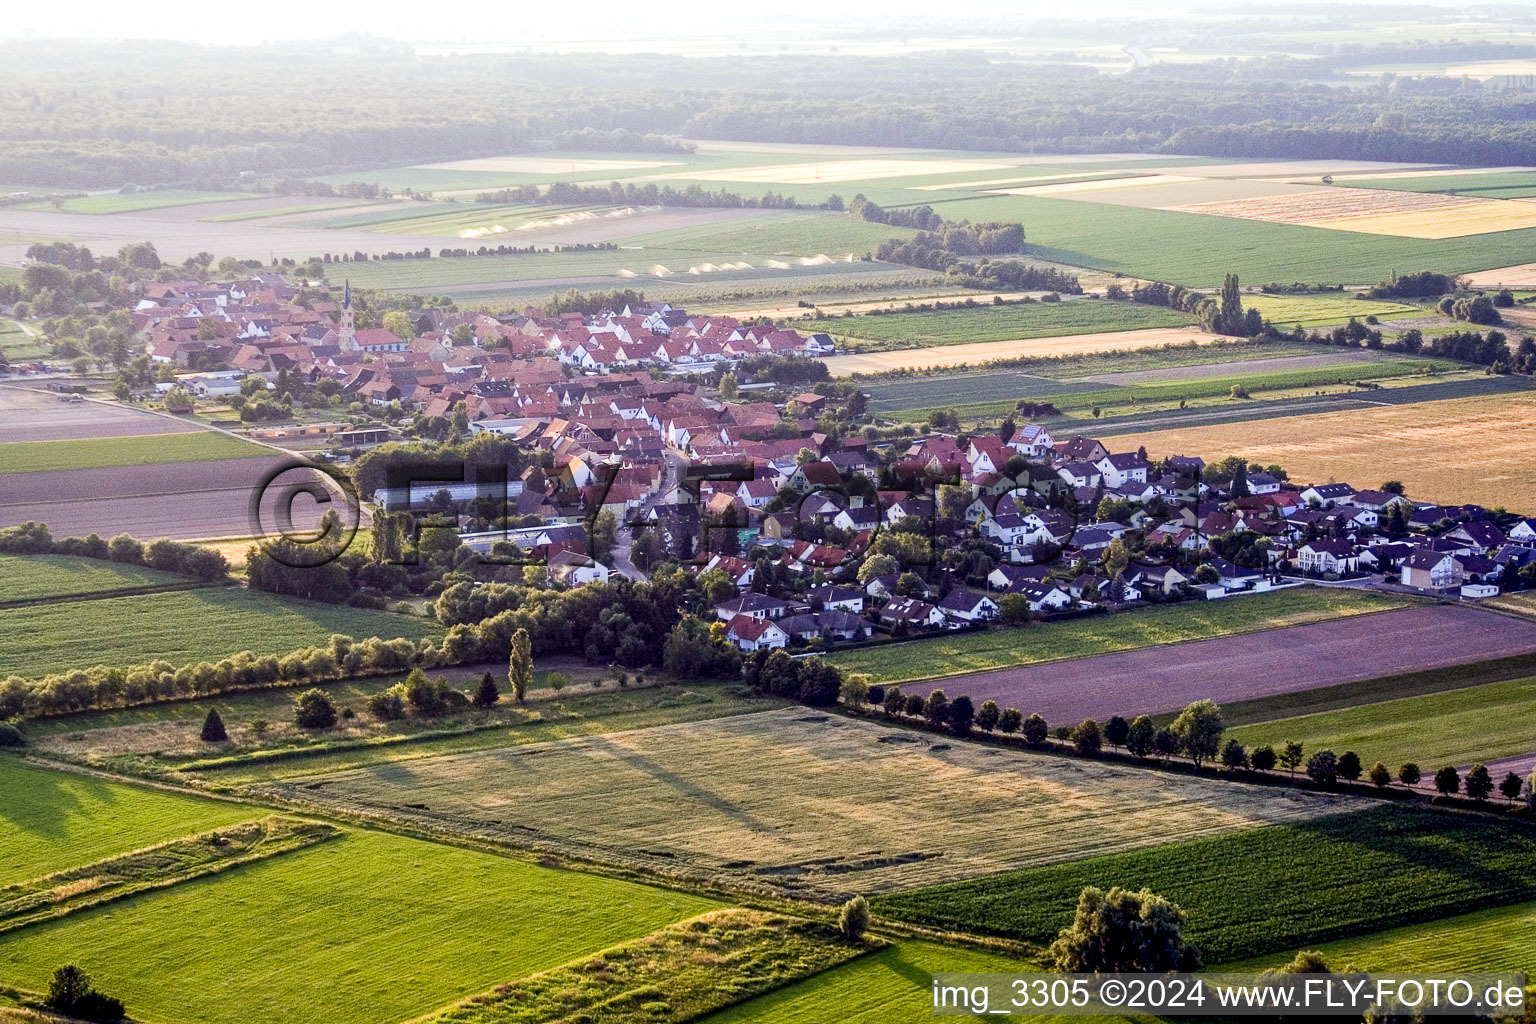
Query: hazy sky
449, 20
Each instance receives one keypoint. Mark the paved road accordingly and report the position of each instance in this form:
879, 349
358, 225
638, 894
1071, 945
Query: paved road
626, 542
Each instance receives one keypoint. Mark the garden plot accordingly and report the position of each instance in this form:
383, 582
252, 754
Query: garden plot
803, 801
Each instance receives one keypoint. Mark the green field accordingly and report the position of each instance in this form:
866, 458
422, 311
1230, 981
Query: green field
372, 927
1106, 634
116, 202
1326, 310
1197, 250
1457, 727
1197, 392
143, 450
36, 577
892, 986
53, 820
999, 323
678, 973
1504, 185
1267, 889
157, 866
182, 626
1499, 939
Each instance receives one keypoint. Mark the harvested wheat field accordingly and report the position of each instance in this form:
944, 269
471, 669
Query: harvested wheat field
1379, 212
805, 800
1522, 275
1429, 446
986, 351
838, 170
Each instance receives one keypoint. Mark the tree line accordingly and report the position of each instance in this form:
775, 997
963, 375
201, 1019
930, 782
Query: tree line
32, 538
648, 194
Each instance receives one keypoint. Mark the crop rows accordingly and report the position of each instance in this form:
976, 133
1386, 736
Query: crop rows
1266, 889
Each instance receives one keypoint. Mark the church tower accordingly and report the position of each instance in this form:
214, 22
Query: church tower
348, 330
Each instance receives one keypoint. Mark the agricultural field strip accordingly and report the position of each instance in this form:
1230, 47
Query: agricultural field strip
140, 450
1496, 939
1250, 665
179, 627
1002, 323
1145, 628
684, 967
1068, 395
155, 867
360, 743
1267, 889
1469, 724
36, 578
981, 353
55, 820
398, 927
961, 809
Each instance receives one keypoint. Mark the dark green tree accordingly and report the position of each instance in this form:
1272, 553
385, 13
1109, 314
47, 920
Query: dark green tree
1138, 739
1479, 783
1122, 930
1116, 730
988, 715
936, 709
1035, 730
1263, 759
312, 709
213, 728
1349, 765
1447, 781
487, 693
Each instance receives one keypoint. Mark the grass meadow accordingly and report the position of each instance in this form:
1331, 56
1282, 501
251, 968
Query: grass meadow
676, 974
142, 450
1105, 634
1311, 311
999, 323
692, 798
1265, 890
45, 577
387, 928
182, 626
51, 820
1496, 939
166, 735
1457, 727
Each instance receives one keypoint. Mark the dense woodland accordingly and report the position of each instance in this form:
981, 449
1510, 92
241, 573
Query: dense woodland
81, 116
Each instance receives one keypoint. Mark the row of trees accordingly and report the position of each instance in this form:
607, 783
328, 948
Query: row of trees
1225, 315
107, 686
1196, 733
32, 538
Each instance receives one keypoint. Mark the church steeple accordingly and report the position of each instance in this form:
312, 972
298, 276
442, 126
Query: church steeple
347, 331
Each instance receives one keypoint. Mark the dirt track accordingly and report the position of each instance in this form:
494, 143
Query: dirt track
1251, 665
